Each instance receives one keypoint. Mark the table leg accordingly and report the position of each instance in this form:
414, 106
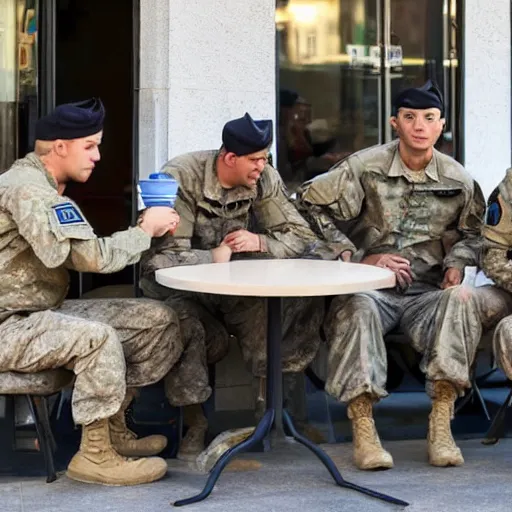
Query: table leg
331, 467
260, 432
274, 393
275, 418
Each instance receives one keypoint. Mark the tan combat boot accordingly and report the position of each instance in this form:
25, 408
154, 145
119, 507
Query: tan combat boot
442, 450
98, 463
368, 452
125, 442
193, 442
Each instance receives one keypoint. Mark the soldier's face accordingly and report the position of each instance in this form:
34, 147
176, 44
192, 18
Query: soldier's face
81, 156
248, 168
418, 129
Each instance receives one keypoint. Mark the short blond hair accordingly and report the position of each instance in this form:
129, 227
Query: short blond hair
43, 147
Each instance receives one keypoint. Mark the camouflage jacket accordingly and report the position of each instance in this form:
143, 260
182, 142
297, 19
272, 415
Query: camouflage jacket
497, 250
42, 234
209, 212
368, 203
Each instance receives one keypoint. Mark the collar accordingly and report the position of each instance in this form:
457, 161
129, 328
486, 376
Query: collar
396, 170
39, 165
214, 191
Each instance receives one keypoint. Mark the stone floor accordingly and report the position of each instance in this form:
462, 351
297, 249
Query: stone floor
291, 479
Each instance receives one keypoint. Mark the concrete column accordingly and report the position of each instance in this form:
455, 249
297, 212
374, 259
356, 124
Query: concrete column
202, 63
487, 79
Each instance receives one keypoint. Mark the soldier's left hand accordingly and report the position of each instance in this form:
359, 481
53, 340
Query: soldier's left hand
346, 256
452, 277
242, 241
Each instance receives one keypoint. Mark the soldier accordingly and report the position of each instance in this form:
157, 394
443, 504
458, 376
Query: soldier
497, 265
415, 211
108, 343
232, 204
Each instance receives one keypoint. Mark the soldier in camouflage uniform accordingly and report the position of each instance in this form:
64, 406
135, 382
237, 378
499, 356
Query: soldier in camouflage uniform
232, 204
497, 264
409, 208
109, 344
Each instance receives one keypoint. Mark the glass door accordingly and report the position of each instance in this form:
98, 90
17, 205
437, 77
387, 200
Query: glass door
329, 84
425, 36
18, 78
340, 64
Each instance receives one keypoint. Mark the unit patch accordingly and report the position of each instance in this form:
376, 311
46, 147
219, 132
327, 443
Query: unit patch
67, 213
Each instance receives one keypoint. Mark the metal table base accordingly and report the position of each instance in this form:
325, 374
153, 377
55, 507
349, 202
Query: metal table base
276, 418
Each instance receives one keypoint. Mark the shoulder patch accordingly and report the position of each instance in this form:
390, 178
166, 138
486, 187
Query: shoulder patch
493, 214
67, 213
494, 210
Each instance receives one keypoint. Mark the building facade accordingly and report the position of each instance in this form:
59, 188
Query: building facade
172, 72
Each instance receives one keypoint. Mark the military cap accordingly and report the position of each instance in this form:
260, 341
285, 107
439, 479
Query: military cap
72, 121
243, 136
287, 98
426, 96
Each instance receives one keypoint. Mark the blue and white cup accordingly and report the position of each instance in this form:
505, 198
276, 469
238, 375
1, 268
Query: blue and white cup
159, 190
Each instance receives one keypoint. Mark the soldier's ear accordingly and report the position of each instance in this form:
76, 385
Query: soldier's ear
60, 147
230, 159
392, 122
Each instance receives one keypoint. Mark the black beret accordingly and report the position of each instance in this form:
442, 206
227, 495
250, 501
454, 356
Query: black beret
72, 121
287, 98
244, 135
427, 96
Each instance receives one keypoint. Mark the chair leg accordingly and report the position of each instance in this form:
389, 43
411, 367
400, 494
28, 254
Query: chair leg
497, 428
7, 434
481, 400
39, 410
470, 396
464, 400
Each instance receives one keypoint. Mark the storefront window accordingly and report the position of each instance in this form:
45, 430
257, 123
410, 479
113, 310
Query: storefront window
336, 87
7, 83
18, 78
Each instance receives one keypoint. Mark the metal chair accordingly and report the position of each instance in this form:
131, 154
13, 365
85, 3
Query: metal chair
37, 388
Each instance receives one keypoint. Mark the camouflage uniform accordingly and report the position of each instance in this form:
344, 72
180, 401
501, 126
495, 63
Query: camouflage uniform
208, 213
497, 264
435, 223
109, 343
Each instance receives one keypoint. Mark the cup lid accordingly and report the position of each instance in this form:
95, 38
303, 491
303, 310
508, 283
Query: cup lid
160, 176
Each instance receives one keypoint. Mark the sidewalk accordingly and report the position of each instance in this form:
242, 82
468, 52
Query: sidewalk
293, 480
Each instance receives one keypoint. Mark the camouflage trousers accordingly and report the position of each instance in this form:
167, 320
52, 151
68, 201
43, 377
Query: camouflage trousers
245, 318
108, 343
502, 345
444, 326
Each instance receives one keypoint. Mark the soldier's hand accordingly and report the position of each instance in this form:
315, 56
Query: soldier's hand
346, 255
243, 241
400, 266
159, 220
221, 254
452, 277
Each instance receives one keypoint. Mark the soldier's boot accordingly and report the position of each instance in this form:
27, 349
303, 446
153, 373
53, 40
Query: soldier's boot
368, 451
193, 442
126, 442
98, 463
442, 450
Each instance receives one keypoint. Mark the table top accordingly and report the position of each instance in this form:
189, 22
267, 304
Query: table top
277, 278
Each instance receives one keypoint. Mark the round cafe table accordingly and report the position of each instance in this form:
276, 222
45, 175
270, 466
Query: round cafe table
275, 279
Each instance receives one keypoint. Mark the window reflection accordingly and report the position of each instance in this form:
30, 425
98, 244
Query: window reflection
18, 77
335, 94
329, 96
7, 83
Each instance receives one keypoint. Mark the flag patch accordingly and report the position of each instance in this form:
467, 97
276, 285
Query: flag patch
67, 213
